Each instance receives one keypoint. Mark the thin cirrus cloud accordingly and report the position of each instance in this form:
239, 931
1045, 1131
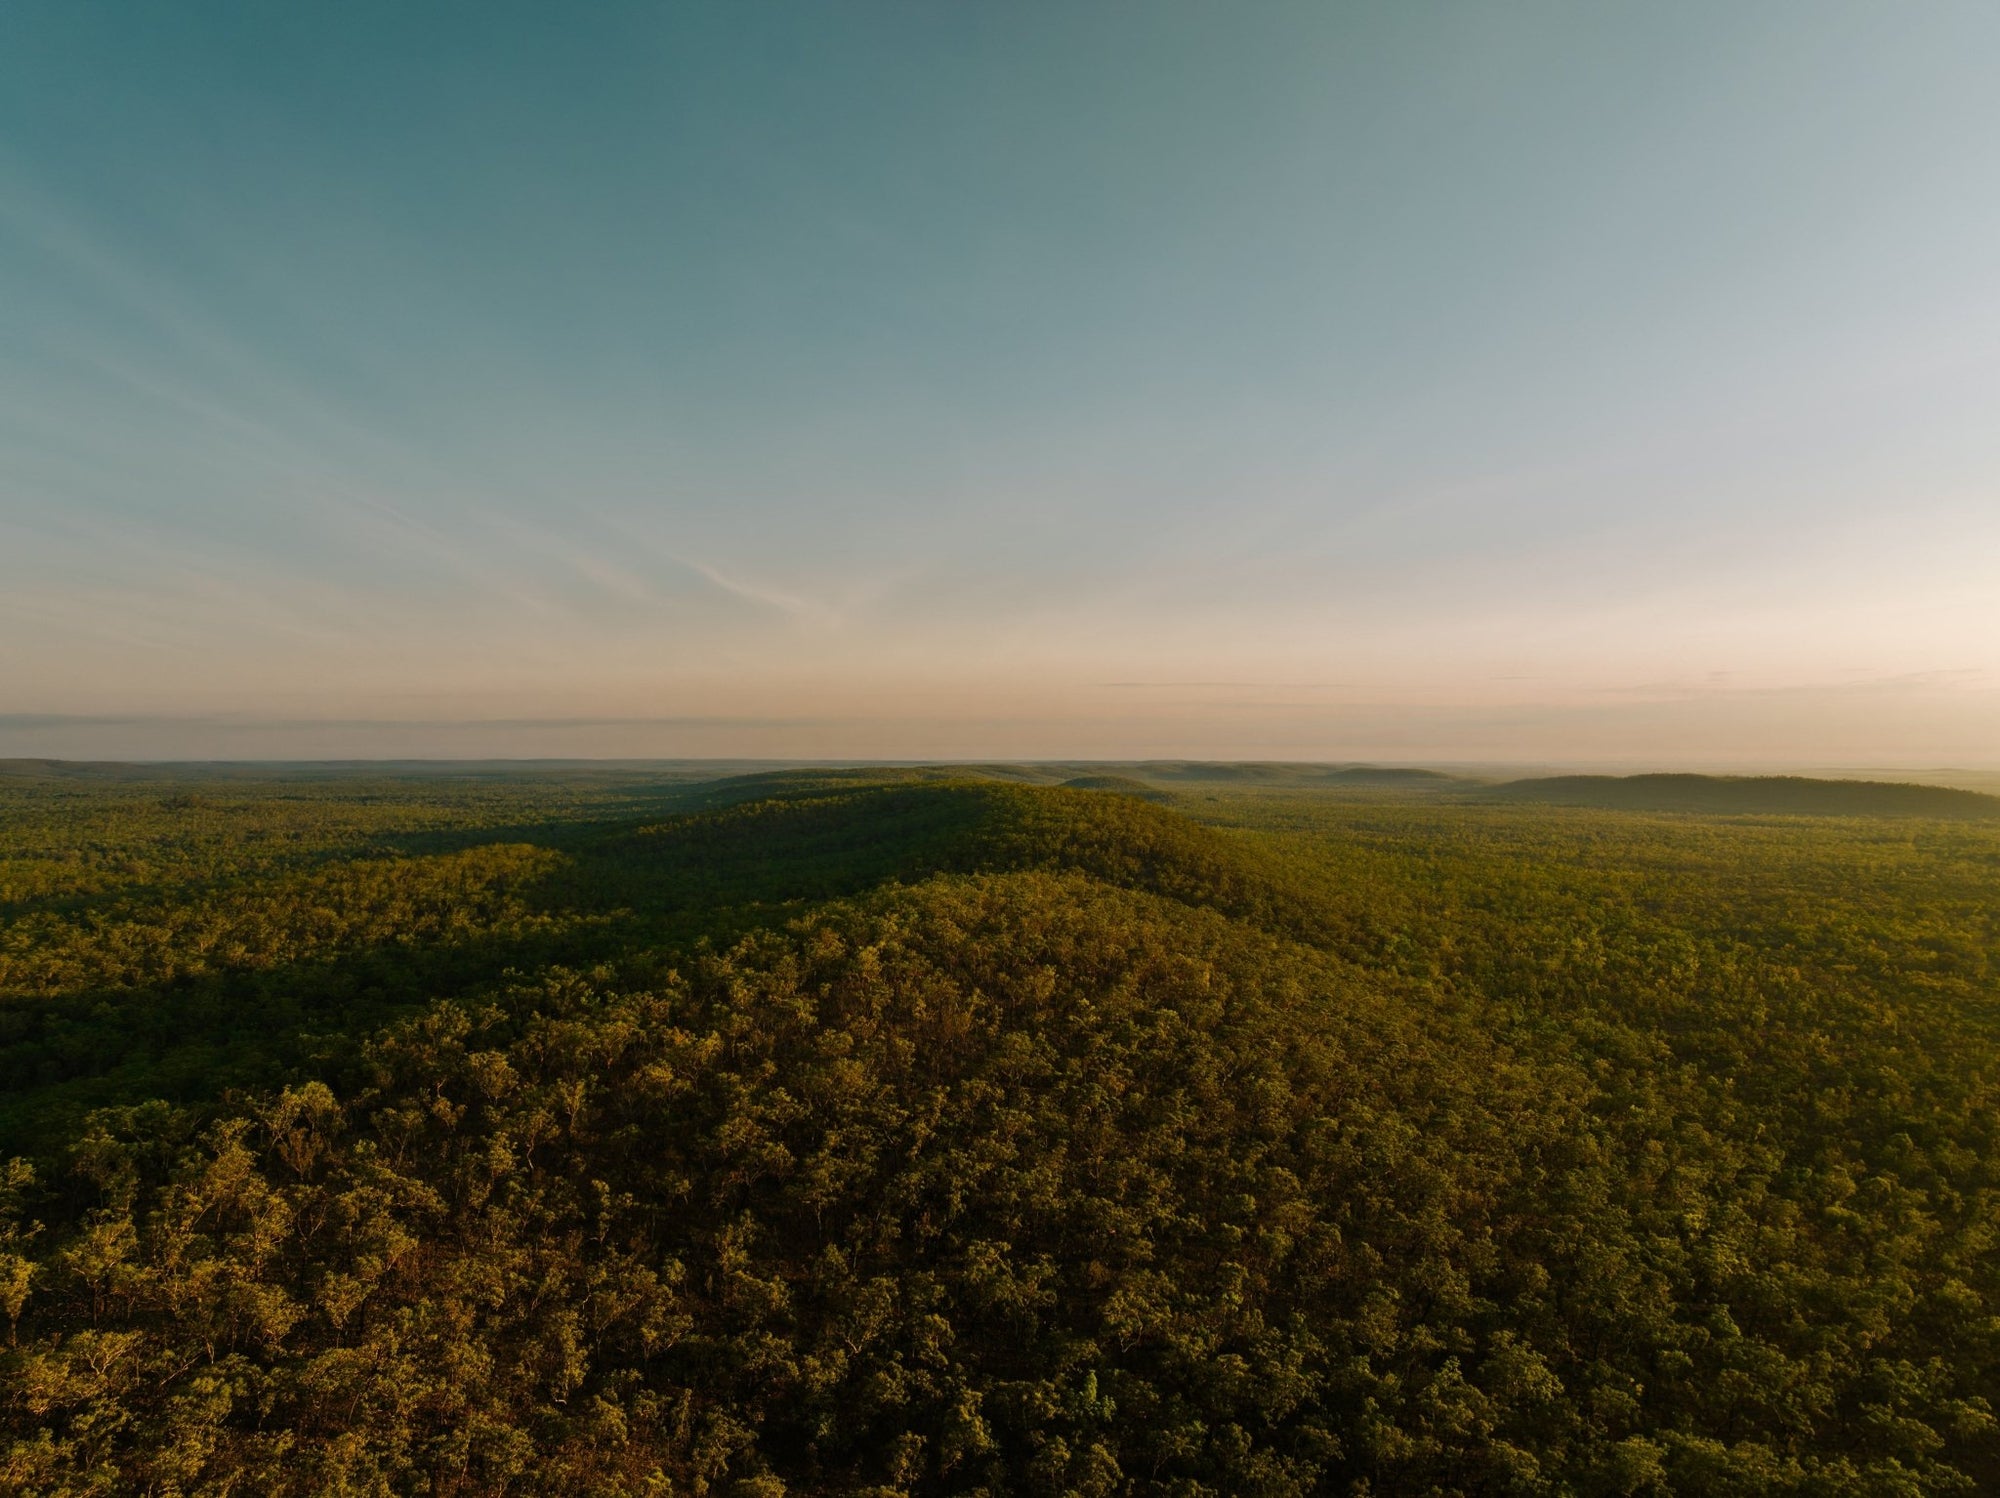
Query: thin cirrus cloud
794, 382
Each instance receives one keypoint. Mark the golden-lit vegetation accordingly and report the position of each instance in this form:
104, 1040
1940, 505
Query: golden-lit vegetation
931, 1134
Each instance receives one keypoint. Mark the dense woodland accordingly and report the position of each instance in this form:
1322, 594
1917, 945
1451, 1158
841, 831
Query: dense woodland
1183, 1131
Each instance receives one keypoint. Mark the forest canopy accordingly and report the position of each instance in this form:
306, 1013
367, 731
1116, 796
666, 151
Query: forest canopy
1793, 795
929, 1132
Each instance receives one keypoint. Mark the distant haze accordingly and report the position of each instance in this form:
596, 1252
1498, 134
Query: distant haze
1448, 383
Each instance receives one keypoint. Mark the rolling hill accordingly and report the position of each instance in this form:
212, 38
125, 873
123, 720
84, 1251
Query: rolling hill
932, 1132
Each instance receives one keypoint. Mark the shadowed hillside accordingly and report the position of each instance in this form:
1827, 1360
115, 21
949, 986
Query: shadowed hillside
220, 982
772, 839
1124, 785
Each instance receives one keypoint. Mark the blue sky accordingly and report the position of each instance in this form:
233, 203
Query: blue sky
1433, 381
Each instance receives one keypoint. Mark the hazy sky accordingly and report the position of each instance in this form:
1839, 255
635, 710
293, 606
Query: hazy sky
1426, 381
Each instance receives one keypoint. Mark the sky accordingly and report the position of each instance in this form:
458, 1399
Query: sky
1578, 383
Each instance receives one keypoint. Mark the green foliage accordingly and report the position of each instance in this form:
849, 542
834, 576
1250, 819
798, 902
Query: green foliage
845, 1133
1788, 795
1124, 785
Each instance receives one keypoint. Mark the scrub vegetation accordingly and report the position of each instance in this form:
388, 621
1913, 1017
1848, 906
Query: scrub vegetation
1175, 1129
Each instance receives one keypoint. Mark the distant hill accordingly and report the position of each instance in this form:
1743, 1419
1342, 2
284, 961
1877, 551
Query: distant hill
1279, 773
1152, 780
1123, 785
1790, 795
1390, 775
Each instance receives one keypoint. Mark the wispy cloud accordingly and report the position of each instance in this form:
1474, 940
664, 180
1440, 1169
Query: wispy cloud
791, 605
